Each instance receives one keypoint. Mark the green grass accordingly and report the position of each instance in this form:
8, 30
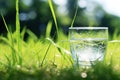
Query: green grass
44, 59
54, 17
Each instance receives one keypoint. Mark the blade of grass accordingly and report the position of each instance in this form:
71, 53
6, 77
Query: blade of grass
6, 25
8, 43
9, 33
31, 34
61, 50
18, 25
18, 32
48, 30
23, 33
57, 46
54, 16
11, 41
45, 54
74, 16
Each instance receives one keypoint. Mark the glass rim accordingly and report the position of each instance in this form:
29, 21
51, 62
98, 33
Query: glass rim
88, 27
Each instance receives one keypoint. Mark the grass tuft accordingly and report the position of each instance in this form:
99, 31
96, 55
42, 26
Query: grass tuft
11, 44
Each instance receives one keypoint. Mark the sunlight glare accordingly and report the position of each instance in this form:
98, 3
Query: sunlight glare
60, 2
82, 3
111, 6
61, 6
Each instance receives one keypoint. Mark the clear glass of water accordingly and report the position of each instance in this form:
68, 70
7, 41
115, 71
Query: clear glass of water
88, 44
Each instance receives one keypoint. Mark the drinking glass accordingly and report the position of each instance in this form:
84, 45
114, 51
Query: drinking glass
88, 44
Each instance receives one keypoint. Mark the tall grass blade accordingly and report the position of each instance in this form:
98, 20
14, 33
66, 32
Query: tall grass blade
54, 16
5, 24
18, 25
74, 16
48, 30
18, 32
11, 41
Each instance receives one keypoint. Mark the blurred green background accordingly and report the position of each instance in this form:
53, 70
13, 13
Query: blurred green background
35, 15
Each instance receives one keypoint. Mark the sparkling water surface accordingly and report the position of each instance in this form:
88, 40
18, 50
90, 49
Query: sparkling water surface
87, 50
